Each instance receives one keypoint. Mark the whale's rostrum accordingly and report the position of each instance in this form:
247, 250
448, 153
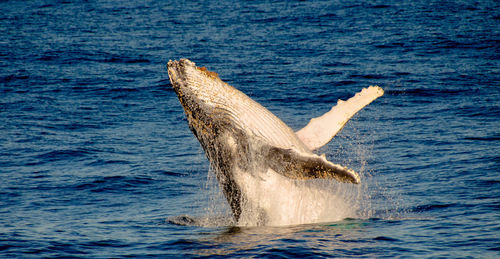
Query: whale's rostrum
243, 140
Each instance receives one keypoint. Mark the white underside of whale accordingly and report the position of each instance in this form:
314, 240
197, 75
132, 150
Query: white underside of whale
289, 202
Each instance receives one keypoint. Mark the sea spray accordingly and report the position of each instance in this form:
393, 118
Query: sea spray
291, 202
275, 200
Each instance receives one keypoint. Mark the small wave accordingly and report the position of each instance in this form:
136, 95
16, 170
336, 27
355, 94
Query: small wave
433, 207
368, 76
426, 92
169, 173
108, 162
401, 73
184, 220
115, 184
482, 138
10, 78
479, 111
381, 6
344, 82
384, 238
489, 183
58, 155
120, 90
337, 64
207, 221
127, 60
391, 45
104, 243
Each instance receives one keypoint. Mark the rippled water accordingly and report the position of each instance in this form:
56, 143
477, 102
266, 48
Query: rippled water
96, 159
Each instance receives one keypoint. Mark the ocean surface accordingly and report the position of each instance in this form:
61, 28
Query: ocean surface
97, 160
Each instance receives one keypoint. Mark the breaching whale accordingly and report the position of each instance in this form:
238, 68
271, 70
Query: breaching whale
245, 142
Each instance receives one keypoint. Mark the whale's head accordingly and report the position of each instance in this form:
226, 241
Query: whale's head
197, 93
196, 87
209, 102
211, 110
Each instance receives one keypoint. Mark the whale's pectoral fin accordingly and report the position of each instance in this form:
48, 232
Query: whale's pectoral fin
295, 165
321, 130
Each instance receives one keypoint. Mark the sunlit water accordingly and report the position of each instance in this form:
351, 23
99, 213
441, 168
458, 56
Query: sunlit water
96, 159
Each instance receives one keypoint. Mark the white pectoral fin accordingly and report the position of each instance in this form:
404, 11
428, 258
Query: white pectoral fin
319, 131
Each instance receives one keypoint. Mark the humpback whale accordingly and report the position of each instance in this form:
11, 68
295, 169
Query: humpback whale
248, 146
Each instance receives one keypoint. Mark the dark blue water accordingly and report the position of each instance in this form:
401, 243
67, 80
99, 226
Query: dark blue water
96, 159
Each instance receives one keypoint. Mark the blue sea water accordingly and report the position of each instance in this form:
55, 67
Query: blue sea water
96, 159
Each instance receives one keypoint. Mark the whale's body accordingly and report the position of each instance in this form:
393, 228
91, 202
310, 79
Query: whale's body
248, 147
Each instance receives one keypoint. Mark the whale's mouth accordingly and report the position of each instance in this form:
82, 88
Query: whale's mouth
177, 72
186, 80
182, 70
196, 85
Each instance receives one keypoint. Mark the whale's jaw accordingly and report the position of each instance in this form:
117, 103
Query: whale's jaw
243, 139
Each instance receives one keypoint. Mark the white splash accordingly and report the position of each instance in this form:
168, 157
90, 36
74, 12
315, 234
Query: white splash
289, 202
